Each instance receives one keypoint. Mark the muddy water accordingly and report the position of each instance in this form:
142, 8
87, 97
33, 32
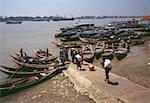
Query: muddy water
33, 35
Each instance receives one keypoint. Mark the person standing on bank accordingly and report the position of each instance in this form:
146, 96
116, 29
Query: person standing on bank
73, 53
107, 67
62, 56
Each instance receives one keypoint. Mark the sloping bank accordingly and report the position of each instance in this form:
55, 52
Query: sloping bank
120, 90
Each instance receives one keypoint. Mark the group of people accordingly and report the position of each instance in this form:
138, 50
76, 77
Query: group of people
77, 58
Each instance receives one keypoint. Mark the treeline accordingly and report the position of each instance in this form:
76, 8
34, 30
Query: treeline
48, 18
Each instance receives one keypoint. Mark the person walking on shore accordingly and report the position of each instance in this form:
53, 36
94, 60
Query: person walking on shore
78, 60
107, 67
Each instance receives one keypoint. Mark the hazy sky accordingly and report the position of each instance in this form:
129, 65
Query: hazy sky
74, 7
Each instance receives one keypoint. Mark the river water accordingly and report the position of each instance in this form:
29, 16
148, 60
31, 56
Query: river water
34, 35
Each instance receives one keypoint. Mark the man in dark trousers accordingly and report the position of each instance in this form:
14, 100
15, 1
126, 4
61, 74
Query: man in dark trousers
78, 60
62, 56
107, 67
73, 53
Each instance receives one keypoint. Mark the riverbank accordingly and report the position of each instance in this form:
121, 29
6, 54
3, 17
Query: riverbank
59, 89
133, 67
118, 90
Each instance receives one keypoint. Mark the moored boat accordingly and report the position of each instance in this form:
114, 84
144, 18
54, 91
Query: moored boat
45, 55
13, 22
87, 40
88, 54
108, 53
121, 53
71, 45
29, 63
99, 49
21, 72
25, 83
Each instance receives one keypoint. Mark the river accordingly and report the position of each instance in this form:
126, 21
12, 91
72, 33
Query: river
33, 35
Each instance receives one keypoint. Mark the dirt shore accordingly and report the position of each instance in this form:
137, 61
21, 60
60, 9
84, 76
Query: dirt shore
134, 67
59, 89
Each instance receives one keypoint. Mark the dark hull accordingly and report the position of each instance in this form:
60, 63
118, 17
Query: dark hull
90, 59
63, 19
37, 66
121, 56
21, 72
68, 45
7, 90
13, 22
43, 54
97, 55
108, 56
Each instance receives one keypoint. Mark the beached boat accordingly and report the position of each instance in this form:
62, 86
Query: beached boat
62, 19
67, 33
88, 54
121, 53
70, 38
108, 53
88, 40
24, 83
99, 49
71, 45
31, 63
13, 22
21, 72
44, 55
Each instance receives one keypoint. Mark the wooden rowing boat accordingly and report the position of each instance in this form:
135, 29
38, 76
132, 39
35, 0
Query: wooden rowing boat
21, 72
108, 54
87, 40
121, 53
71, 45
29, 82
88, 54
99, 49
44, 55
22, 62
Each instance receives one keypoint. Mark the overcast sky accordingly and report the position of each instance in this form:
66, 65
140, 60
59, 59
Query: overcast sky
74, 7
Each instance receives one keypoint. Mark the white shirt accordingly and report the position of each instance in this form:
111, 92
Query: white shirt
107, 62
78, 57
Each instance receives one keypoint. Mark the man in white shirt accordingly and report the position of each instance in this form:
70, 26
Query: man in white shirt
78, 59
107, 67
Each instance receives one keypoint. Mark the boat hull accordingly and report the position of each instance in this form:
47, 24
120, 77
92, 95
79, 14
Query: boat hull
90, 59
10, 89
97, 55
121, 56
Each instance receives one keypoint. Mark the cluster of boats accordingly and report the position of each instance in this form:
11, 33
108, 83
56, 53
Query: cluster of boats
107, 41
31, 71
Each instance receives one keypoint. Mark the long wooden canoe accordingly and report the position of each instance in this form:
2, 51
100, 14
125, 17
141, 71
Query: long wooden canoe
99, 49
26, 64
108, 53
21, 72
87, 40
44, 55
29, 82
88, 54
121, 53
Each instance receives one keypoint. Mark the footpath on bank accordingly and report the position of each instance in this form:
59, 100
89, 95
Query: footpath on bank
119, 90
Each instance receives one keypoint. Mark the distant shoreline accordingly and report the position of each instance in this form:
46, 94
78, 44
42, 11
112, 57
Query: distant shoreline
51, 18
